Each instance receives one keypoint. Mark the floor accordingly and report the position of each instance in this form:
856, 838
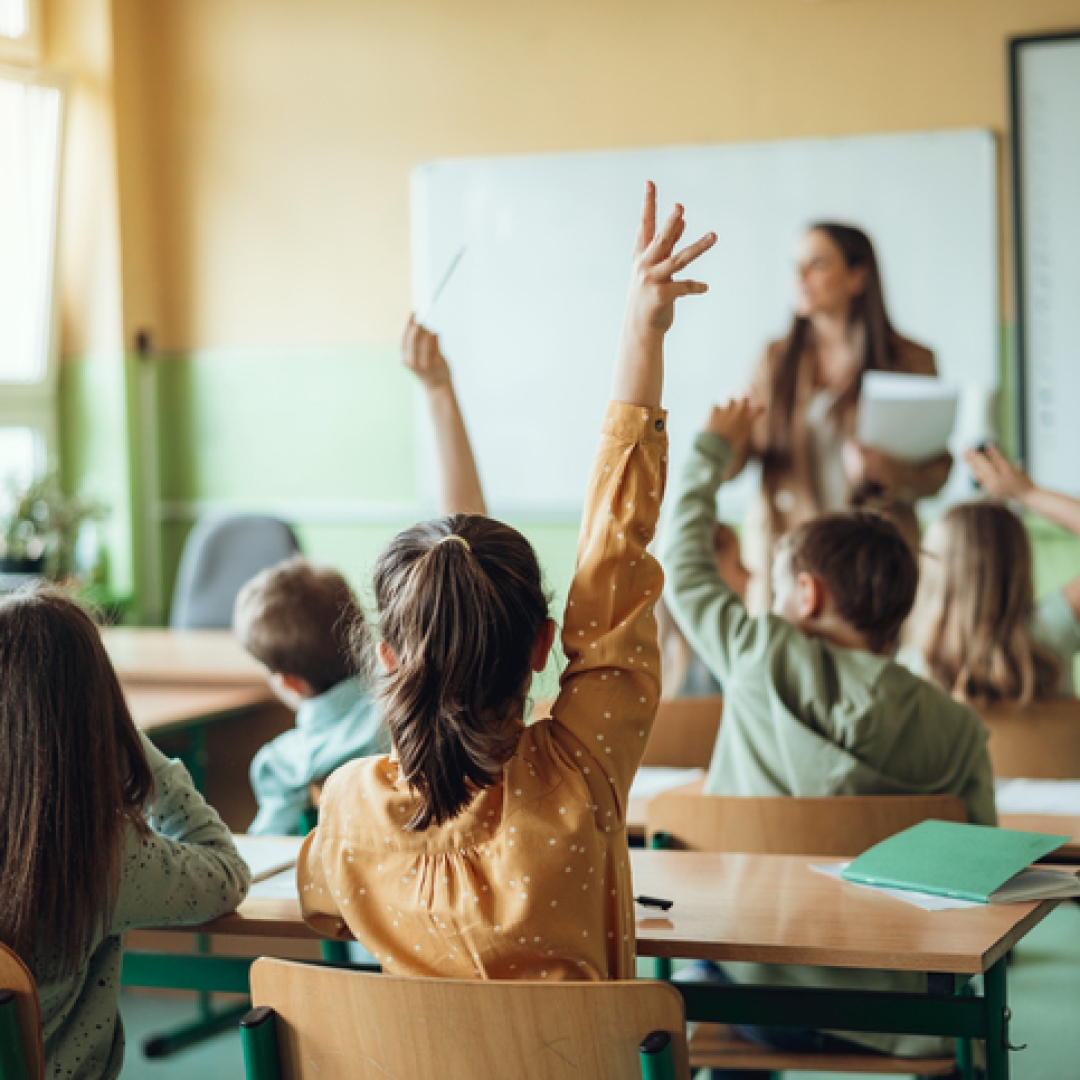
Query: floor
1044, 991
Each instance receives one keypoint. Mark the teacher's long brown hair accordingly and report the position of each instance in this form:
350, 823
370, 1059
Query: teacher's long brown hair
73, 779
867, 310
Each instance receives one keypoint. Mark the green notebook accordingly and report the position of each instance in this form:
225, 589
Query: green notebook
966, 862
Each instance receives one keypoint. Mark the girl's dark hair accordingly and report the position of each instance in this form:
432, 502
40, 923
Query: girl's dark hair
73, 778
867, 311
462, 617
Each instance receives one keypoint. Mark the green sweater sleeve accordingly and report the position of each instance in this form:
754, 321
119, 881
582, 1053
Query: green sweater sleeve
710, 614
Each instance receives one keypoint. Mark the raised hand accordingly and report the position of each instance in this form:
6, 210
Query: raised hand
420, 353
650, 305
997, 475
734, 422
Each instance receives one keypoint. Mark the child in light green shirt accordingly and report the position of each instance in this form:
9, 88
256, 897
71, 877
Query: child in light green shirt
814, 703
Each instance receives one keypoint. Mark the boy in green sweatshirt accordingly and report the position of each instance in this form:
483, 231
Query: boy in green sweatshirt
814, 703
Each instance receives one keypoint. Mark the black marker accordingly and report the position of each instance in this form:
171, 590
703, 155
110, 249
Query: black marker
652, 901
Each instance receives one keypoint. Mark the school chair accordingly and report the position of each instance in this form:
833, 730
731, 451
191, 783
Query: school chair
220, 555
839, 825
21, 1054
311, 1021
1040, 741
683, 735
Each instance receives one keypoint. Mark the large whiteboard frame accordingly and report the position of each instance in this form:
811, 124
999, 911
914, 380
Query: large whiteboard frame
1045, 146
549, 239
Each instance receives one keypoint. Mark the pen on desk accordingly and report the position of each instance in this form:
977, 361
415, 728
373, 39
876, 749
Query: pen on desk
652, 901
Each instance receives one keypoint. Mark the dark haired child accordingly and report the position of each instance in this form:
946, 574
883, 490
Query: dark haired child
99, 832
814, 703
296, 619
481, 847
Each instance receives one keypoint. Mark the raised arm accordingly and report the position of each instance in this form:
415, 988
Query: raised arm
1000, 477
459, 480
709, 612
612, 683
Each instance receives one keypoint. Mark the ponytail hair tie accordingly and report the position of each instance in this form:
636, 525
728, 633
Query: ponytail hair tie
456, 538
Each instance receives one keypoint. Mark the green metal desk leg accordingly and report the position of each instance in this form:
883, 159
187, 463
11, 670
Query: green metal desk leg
657, 1060
258, 1038
965, 1062
661, 841
13, 1065
997, 1023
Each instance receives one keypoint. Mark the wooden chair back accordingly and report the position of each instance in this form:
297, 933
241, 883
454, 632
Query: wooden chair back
15, 976
345, 1025
1039, 741
842, 825
684, 733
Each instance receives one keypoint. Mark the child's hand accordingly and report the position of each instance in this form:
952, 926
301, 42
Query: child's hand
650, 308
997, 475
421, 355
734, 422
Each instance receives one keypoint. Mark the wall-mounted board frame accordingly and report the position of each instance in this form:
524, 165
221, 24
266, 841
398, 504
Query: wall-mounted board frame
1044, 101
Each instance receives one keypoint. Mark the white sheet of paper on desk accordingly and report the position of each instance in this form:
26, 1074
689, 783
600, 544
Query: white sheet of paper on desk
909, 417
1038, 797
926, 901
281, 886
652, 781
268, 855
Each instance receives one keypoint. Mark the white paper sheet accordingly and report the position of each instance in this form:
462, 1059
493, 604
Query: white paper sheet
654, 781
280, 886
909, 417
1038, 797
268, 855
926, 901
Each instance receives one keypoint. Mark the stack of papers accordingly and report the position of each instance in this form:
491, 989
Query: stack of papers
909, 417
942, 864
652, 781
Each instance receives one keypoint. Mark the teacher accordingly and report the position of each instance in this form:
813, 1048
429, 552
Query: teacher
808, 385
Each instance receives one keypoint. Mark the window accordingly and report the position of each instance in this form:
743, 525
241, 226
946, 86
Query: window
19, 39
31, 109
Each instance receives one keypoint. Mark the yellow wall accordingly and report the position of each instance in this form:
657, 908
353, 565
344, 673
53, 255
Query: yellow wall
284, 132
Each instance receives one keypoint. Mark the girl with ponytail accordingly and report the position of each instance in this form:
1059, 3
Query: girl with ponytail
482, 847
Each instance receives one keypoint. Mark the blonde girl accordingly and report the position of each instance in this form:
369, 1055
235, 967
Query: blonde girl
980, 633
482, 848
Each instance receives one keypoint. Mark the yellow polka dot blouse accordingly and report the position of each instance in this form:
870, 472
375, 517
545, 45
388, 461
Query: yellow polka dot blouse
532, 880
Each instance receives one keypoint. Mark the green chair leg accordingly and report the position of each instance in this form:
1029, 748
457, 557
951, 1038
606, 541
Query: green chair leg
661, 841
258, 1039
997, 1023
13, 1064
335, 952
657, 1059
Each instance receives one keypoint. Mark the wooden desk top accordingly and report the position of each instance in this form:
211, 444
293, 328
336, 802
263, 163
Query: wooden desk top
161, 709
771, 909
205, 657
1059, 824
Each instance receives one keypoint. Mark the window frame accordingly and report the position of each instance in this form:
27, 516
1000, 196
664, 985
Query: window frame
25, 49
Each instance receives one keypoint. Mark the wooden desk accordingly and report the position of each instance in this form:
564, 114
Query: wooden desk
766, 908
162, 710
204, 657
1054, 824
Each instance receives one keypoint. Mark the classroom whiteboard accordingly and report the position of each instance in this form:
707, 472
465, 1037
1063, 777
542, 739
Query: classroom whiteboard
1046, 163
531, 316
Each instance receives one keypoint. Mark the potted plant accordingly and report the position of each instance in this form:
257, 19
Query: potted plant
40, 532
